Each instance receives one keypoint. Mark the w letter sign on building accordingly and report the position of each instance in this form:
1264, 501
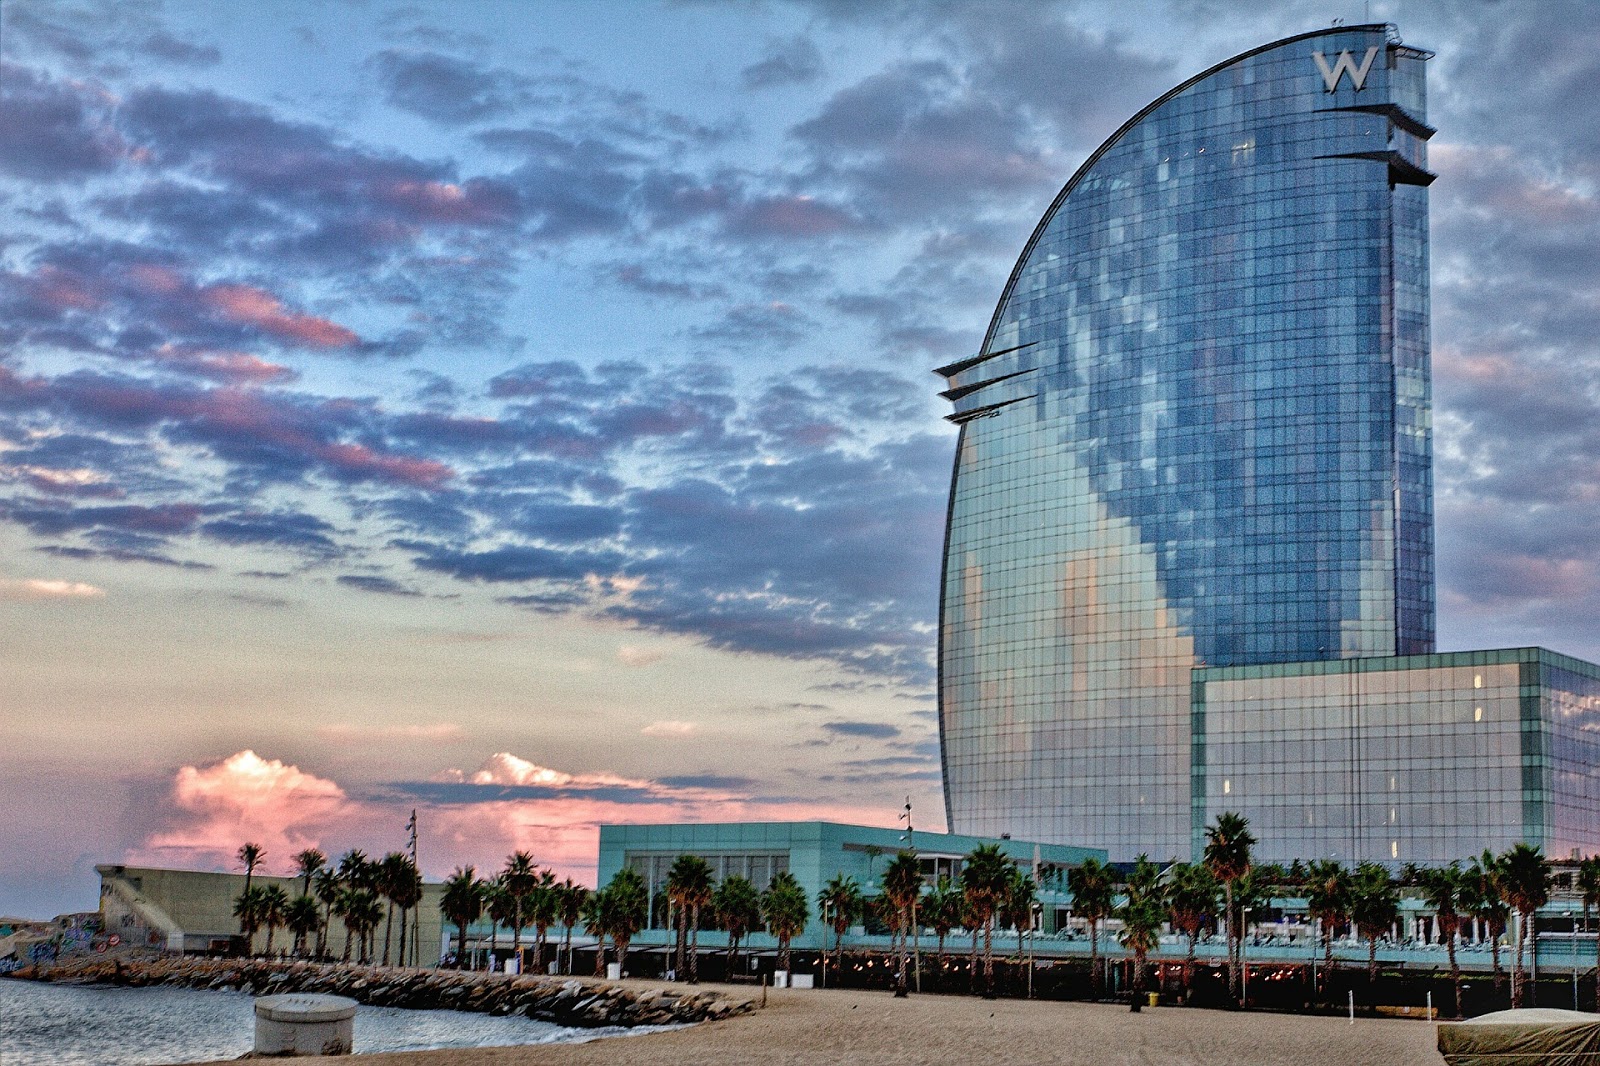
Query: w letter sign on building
1331, 75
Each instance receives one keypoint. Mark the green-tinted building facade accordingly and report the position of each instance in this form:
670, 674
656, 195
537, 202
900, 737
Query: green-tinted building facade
815, 853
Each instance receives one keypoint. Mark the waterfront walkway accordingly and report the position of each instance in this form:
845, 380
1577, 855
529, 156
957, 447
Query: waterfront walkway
808, 1028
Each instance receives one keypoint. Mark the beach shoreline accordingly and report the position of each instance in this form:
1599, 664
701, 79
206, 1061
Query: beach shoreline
872, 1028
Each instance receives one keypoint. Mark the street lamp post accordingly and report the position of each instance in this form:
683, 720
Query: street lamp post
825, 905
1244, 965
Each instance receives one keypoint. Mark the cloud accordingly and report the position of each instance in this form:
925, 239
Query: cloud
33, 589
444, 88
671, 728
213, 809
374, 583
792, 61
628, 655
864, 730
55, 132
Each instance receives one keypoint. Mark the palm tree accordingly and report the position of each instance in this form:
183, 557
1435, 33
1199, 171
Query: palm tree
354, 869
1443, 890
274, 908
942, 910
1191, 903
501, 906
785, 910
1589, 884
407, 894
594, 920
519, 877
985, 876
689, 886
1090, 885
543, 908
306, 864
1526, 876
840, 901
303, 918
1016, 910
627, 909
247, 907
393, 870
1328, 887
902, 884
250, 856
1486, 902
362, 913
738, 908
1142, 912
1227, 853
462, 904
327, 888
1374, 907
573, 897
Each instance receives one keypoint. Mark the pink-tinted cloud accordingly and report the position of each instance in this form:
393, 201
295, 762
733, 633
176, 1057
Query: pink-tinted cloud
48, 589
248, 305
671, 728
474, 203
230, 368
235, 422
214, 809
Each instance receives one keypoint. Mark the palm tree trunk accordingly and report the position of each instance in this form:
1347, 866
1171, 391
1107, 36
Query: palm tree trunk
972, 968
988, 958
1188, 966
403, 936
1094, 959
694, 947
1516, 972
897, 944
599, 956
1372, 959
388, 928
569, 948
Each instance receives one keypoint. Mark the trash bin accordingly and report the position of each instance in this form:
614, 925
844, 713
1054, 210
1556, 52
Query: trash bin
1153, 998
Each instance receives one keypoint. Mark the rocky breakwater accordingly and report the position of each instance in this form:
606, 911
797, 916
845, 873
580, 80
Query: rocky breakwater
578, 1003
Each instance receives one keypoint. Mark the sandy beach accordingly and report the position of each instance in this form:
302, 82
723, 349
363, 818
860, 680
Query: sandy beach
874, 1029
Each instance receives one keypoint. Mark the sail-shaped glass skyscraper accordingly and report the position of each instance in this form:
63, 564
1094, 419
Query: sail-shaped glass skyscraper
1196, 438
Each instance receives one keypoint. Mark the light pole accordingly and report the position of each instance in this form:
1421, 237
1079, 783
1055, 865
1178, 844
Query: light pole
1037, 913
1244, 967
825, 923
916, 932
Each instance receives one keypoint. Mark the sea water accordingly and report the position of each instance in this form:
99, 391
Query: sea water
95, 1025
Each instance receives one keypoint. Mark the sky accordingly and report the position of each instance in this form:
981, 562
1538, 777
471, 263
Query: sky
522, 412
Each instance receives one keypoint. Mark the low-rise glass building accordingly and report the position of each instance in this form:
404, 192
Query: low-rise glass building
815, 853
1415, 758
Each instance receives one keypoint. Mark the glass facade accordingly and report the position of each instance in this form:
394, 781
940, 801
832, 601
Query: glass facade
1426, 759
1197, 435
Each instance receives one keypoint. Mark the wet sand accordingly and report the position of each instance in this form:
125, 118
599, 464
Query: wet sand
874, 1029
